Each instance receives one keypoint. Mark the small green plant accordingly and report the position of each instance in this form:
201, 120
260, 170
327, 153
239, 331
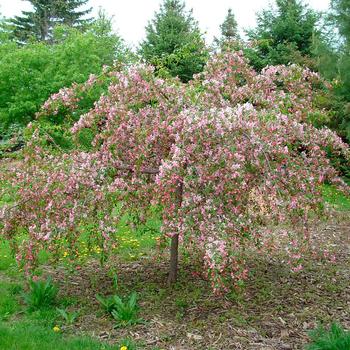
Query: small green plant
125, 312
107, 303
69, 317
115, 281
42, 294
336, 338
182, 305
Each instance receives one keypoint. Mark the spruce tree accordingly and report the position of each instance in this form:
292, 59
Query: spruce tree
284, 34
4, 30
174, 41
69, 14
229, 37
38, 24
340, 15
229, 30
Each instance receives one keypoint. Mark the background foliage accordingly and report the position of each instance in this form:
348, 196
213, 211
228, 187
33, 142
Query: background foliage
30, 74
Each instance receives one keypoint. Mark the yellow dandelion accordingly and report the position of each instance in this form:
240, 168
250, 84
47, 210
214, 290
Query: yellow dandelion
65, 254
123, 347
56, 329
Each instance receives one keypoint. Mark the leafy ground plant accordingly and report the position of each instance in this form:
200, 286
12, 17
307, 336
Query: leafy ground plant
42, 294
68, 316
336, 338
107, 303
125, 312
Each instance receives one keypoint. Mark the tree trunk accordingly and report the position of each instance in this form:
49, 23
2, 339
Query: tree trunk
174, 247
174, 254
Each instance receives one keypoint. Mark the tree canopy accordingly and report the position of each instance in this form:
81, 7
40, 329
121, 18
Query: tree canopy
341, 16
221, 159
29, 74
46, 14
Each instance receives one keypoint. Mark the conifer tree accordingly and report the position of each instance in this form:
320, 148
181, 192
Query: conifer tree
174, 41
284, 34
341, 17
4, 29
38, 23
69, 12
229, 37
229, 30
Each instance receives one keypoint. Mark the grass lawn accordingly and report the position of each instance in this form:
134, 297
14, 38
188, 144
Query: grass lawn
31, 336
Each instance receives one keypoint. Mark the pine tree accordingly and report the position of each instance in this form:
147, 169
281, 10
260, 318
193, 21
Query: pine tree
174, 41
4, 29
229, 37
229, 30
283, 34
340, 15
38, 24
68, 13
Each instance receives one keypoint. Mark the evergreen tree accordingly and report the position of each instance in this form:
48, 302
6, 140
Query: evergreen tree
38, 24
69, 14
283, 34
174, 41
4, 29
341, 17
229, 30
229, 38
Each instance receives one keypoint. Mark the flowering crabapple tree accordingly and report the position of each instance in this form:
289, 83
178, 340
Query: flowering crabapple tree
223, 157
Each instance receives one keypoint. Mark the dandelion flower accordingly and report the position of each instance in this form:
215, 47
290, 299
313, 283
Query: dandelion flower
56, 329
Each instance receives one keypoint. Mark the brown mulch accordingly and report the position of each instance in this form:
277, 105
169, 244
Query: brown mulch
274, 311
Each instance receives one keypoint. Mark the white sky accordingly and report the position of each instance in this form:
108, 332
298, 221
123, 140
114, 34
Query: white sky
131, 16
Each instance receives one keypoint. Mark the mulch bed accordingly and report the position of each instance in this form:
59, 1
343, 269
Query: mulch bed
274, 311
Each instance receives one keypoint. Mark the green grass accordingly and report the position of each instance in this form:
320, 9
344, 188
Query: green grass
21, 329
335, 338
6, 258
24, 330
8, 302
335, 198
29, 336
